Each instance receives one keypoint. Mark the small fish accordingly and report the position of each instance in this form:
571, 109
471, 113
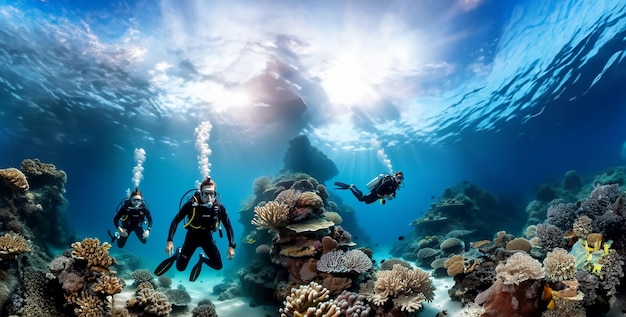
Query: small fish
251, 241
382, 261
433, 197
401, 238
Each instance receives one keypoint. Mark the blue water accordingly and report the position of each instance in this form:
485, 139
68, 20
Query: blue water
504, 95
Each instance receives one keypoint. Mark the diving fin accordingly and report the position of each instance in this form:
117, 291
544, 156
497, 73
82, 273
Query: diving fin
341, 185
166, 264
195, 271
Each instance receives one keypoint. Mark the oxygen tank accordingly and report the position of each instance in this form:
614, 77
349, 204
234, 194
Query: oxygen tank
375, 181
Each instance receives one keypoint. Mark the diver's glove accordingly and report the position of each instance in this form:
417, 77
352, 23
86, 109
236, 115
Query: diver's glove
123, 232
146, 234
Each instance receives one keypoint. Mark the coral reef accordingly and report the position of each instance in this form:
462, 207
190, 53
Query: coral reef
271, 216
309, 300
11, 245
149, 303
14, 179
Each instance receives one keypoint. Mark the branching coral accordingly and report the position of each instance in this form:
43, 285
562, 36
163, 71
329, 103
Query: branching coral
309, 300
96, 255
12, 244
339, 261
559, 265
107, 285
518, 268
582, 227
402, 282
271, 216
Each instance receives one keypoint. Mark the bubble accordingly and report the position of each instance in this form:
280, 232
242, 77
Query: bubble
203, 132
140, 158
381, 155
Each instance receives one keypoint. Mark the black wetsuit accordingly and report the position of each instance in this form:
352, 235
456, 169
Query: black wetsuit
199, 232
385, 187
132, 220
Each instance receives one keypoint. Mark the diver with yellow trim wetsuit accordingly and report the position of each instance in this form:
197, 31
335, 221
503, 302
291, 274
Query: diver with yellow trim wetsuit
205, 215
130, 218
383, 187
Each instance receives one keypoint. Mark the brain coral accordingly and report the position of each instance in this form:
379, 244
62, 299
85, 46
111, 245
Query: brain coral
178, 297
14, 178
519, 244
310, 199
559, 265
518, 268
150, 302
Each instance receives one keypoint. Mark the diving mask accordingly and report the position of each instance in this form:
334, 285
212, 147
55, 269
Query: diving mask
135, 201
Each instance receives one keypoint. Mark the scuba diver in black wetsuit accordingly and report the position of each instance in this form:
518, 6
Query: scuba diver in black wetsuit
382, 187
130, 218
205, 214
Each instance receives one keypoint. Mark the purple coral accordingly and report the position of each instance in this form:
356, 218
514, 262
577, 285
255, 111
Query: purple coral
600, 199
562, 215
551, 236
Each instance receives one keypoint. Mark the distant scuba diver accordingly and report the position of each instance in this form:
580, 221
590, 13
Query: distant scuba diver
383, 187
205, 215
131, 215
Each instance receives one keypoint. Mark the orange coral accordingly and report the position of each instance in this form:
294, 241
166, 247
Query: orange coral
455, 265
96, 255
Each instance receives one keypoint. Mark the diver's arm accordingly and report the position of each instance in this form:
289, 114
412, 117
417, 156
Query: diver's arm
177, 219
228, 226
118, 216
149, 217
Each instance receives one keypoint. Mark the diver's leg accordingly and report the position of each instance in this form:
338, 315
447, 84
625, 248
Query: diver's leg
213, 258
357, 193
121, 241
189, 247
139, 234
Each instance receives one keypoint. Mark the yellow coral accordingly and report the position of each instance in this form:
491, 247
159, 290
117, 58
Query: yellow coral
107, 284
12, 244
271, 216
309, 300
14, 178
96, 255
455, 265
401, 281
87, 305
